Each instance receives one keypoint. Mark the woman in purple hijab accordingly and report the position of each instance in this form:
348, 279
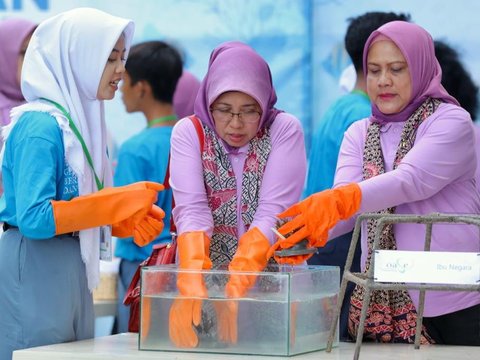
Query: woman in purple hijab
414, 155
12, 50
185, 94
234, 165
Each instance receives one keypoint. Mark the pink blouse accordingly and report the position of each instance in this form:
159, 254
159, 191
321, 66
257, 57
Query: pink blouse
437, 175
281, 187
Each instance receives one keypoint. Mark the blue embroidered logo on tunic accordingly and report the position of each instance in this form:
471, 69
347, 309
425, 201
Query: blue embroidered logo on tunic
70, 183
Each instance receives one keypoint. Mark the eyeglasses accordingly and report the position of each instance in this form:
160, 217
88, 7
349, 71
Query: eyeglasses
225, 116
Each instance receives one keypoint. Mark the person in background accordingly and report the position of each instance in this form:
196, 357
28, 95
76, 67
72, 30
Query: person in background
328, 137
229, 187
456, 79
185, 94
183, 99
459, 83
414, 155
12, 51
152, 72
59, 207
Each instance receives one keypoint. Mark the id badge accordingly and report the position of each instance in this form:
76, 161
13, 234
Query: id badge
106, 252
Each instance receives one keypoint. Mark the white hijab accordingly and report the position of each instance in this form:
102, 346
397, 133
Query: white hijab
64, 62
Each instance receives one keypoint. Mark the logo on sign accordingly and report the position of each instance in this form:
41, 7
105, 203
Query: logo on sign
399, 265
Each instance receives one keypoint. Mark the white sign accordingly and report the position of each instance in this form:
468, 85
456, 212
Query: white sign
427, 267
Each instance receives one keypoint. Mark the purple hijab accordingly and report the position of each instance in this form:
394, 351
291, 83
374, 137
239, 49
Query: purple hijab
12, 34
185, 94
234, 66
416, 45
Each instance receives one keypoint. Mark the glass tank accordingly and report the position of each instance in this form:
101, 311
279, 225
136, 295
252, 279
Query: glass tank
288, 310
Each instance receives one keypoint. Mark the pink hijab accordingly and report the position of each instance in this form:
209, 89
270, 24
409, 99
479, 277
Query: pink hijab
12, 34
235, 66
417, 47
185, 94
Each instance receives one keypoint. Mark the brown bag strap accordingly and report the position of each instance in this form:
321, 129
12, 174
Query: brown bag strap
199, 128
150, 261
166, 185
201, 138
162, 253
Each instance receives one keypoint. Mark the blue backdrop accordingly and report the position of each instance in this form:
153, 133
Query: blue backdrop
302, 40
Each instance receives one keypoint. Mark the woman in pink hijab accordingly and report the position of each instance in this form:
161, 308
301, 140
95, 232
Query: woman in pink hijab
12, 50
414, 155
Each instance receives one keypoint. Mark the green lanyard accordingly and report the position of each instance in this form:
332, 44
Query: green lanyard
80, 138
161, 120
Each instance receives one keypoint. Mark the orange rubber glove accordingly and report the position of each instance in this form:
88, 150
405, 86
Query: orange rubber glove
105, 207
193, 254
145, 231
293, 322
314, 216
250, 256
227, 314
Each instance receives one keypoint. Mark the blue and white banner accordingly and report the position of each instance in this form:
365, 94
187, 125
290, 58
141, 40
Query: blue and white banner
302, 40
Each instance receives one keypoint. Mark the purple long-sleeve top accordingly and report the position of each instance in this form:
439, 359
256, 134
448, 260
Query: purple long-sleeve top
477, 146
281, 187
437, 175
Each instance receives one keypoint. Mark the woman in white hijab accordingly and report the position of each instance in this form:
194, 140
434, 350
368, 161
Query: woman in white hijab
58, 206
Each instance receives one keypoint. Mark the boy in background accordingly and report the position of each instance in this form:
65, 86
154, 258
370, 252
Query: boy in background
152, 73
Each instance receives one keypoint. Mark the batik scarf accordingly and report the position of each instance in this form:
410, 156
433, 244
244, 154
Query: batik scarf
391, 316
220, 183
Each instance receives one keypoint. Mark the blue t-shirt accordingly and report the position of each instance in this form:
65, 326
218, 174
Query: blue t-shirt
35, 172
144, 157
328, 137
